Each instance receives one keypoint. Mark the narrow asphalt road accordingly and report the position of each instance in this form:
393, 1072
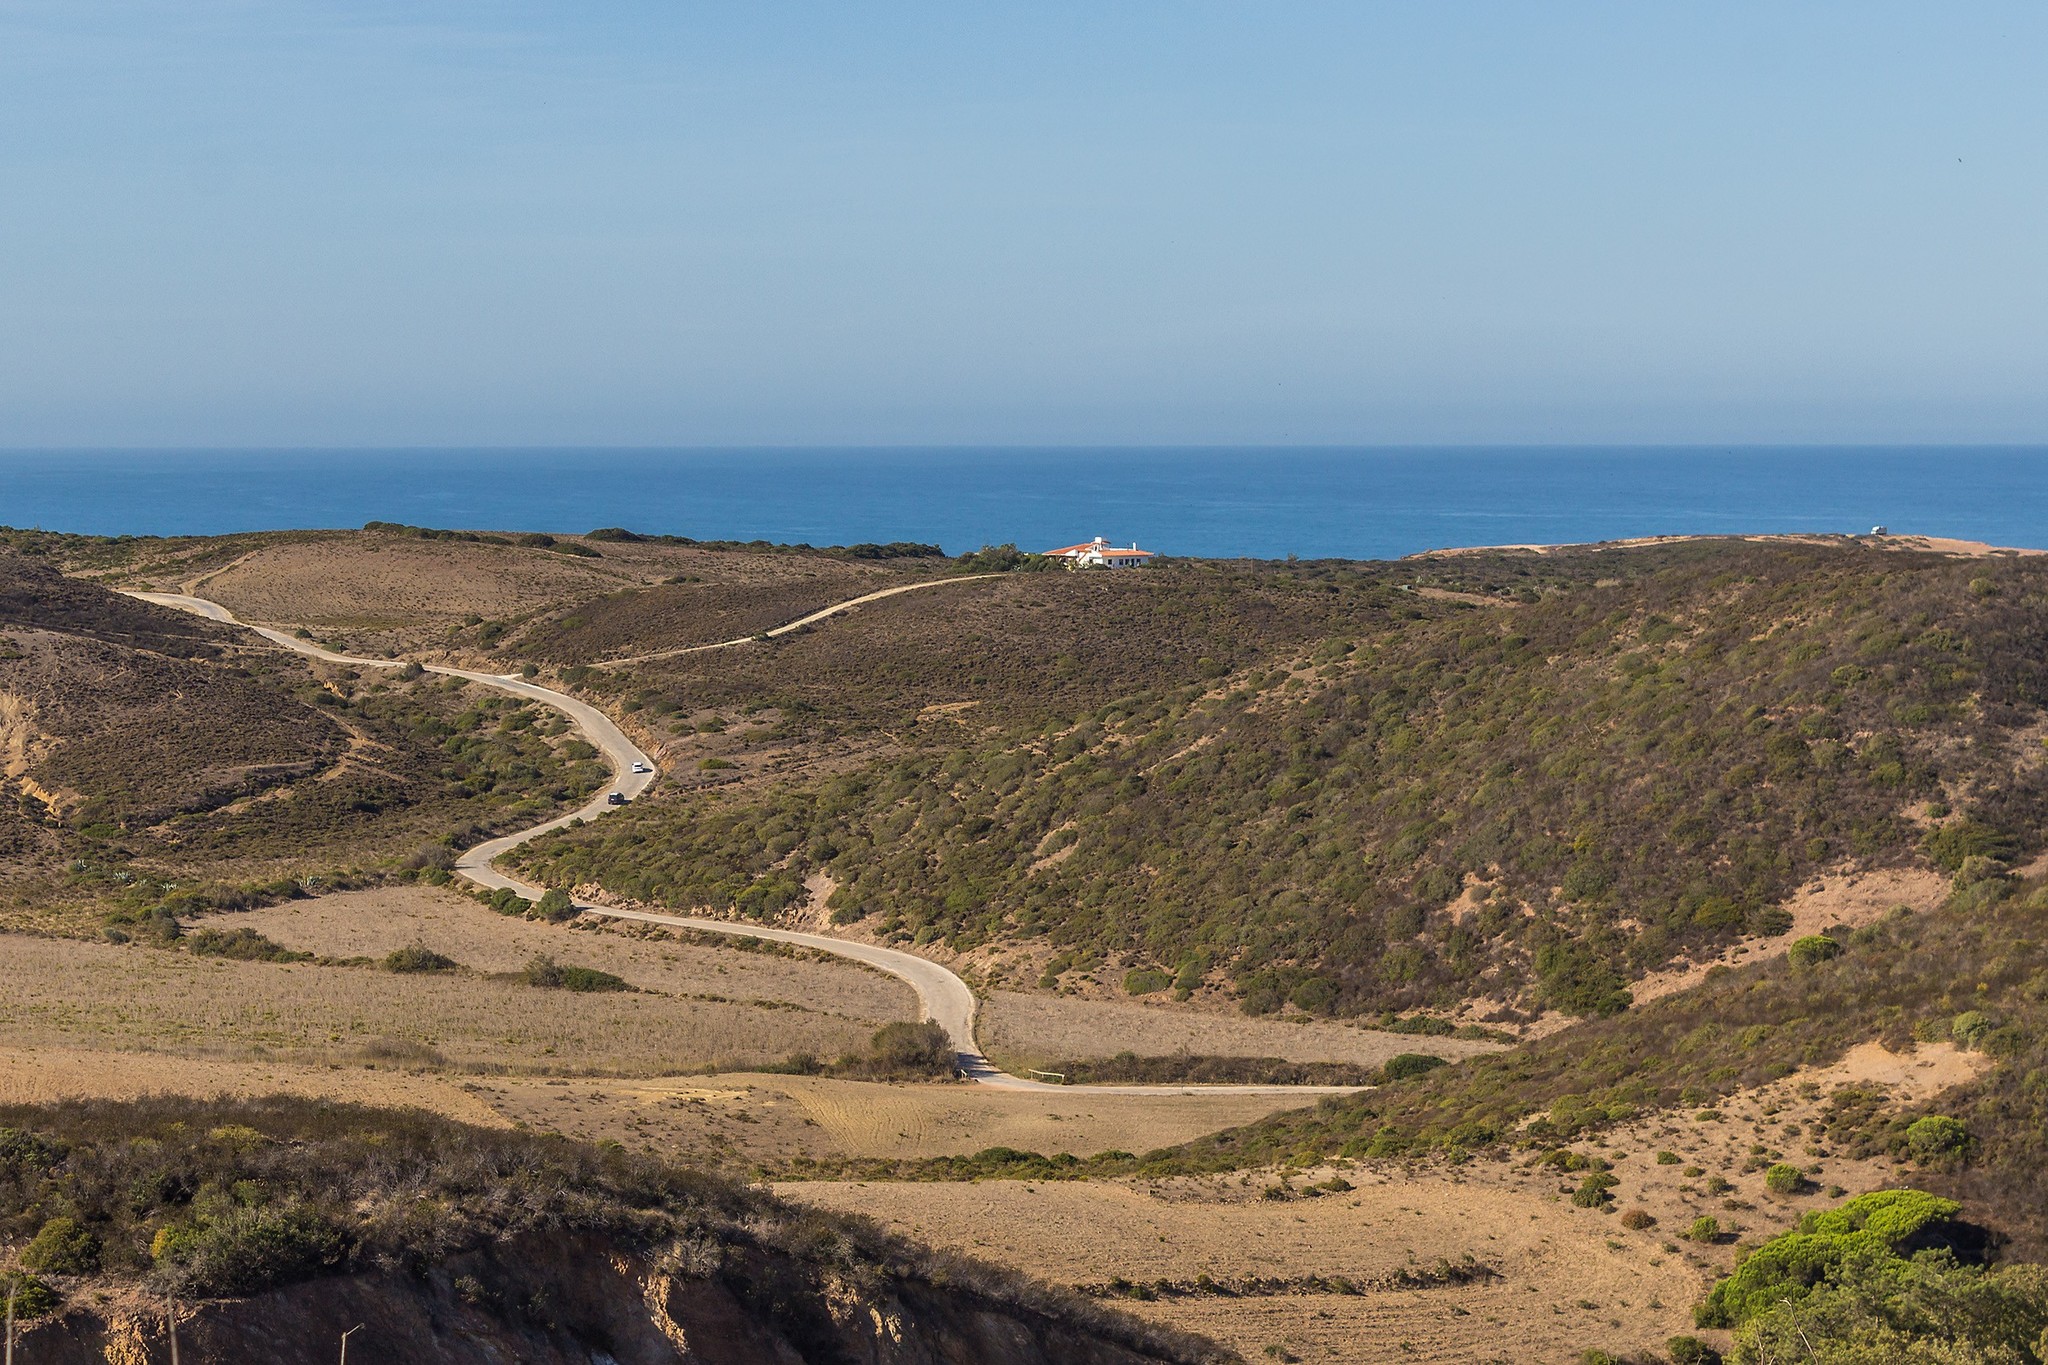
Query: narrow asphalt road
942, 996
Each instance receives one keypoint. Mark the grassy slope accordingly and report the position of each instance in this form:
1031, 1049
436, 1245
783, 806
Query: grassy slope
1634, 766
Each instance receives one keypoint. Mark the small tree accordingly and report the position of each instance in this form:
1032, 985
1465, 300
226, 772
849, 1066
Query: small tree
555, 906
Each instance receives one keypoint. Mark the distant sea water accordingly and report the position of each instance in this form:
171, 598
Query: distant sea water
1367, 503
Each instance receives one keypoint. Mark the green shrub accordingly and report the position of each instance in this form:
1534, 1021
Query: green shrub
1936, 1135
1146, 980
1862, 1283
543, 971
920, 1049
1593, 1191
1876, 1308
242, 945
1970, 1028
1402, 1066
1691, 1351
1705, 1228
1812, 950
1784, 1178
555, 906
242, 1250
63, 1247
417, 957
1668, 1158
32, 1298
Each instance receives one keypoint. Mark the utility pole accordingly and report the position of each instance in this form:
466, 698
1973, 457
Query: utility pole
13, 1288
344, 1342
171, 1317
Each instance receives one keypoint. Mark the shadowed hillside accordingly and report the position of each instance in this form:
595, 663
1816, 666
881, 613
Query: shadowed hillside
282, 1223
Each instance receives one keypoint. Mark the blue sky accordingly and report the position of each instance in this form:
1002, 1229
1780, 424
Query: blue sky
665, 223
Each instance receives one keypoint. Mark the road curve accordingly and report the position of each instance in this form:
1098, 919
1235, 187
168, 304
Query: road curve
942, 996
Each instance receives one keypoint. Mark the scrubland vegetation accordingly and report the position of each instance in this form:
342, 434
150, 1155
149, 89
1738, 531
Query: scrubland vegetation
159, 764
1482, 789
1330, 796
204, 1199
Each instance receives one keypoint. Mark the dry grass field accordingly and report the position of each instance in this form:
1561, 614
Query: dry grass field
1566, 1278
693, 1007
1563, 1283
1020, 1030
383, 592
750, 1119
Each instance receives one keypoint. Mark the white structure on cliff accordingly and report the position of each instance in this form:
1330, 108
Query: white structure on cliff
1100, 554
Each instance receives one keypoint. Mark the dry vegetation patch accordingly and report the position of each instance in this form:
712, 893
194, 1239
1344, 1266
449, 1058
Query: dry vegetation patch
1033, 1030
66, 993
1562, 1284
47, 1075
373, 923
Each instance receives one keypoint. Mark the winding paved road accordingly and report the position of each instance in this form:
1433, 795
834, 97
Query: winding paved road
942, 996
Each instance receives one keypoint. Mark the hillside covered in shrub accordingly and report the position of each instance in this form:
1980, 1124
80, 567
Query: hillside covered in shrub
144, 746
1581, 768
459, 1243
1972, 972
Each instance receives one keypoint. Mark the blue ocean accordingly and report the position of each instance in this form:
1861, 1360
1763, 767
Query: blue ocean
1367, 503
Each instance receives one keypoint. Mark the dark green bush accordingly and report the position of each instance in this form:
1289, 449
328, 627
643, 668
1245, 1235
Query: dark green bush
32, 1298
1685, 1350
1784, 1178
1146, 980
417, 957
241, 944
1812, 950
1936, 1135
242, 1250
543, 971
1405, 1065
555, 906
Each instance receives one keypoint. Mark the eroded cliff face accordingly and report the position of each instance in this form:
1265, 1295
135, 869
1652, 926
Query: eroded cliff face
581, 1301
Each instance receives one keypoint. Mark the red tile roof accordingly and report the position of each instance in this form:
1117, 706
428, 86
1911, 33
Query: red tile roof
1106, 550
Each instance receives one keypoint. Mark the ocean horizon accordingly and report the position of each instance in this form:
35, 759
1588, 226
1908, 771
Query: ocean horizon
1262, 502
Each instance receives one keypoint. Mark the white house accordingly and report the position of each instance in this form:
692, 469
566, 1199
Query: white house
1100, 554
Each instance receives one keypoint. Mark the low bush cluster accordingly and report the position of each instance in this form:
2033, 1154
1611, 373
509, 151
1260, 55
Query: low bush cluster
543, 971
